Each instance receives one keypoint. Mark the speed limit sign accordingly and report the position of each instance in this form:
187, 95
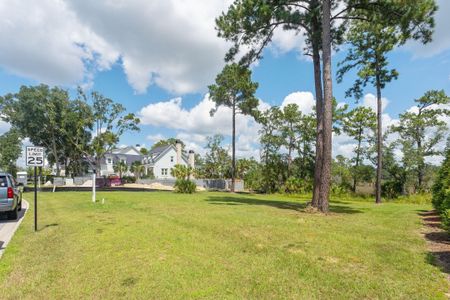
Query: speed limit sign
35, 156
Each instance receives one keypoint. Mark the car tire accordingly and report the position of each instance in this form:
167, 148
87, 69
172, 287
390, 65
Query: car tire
12, 215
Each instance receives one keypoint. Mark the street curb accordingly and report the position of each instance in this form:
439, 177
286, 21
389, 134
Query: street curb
12, 228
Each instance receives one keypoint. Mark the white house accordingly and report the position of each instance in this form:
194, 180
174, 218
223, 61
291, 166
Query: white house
128, 155
161, 160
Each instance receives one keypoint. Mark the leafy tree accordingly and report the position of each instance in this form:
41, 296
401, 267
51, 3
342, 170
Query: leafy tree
169, 141
441, 188
421, 129
306, 141
271, 139
78, 130
290, 124
359, 124
298, 134
109, 121
199, 166
138, 169
372, 39
38, 113
120, 167
144, 151
341, 173
234, 89
10, 150
252, 23
182, 172
394, 174
217, 162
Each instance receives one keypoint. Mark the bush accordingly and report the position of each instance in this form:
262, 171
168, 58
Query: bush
185, 186
129, 179
340, 189
295, 185
391, 189
441, 190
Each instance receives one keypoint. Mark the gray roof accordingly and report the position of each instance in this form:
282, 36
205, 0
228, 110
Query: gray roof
158, 152
124, 150
121, 153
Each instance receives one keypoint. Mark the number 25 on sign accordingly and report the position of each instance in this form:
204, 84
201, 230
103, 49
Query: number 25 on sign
35, 156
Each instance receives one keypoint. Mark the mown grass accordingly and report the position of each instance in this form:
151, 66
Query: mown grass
160, 245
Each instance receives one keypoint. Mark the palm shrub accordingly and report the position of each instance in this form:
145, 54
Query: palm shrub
441, 190
294, 185
183, 184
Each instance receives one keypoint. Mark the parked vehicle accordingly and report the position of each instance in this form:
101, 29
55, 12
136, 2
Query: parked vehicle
10, 196
22, 178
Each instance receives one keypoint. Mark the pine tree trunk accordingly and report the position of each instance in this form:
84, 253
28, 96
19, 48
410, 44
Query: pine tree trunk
233, 167
379, 143
420, 167
355, 179
319, 124
327, 107
290, 156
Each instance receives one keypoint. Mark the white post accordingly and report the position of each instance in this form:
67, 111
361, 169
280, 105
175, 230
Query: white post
94, 177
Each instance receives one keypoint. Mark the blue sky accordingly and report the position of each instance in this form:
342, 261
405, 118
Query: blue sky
158, 59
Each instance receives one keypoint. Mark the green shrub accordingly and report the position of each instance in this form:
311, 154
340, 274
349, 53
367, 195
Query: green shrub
129, 179
421, 198
340, 189
295, 185
181, 171
391, 189
441, 191
185, 186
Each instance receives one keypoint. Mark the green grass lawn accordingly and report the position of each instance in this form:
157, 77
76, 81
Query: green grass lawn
157, 245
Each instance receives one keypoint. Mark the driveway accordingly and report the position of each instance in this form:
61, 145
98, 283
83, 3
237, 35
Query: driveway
9, 227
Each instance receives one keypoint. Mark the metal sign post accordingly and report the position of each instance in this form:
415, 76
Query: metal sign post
35, 158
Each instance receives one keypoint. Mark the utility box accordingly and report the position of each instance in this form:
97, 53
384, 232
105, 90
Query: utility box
22, 178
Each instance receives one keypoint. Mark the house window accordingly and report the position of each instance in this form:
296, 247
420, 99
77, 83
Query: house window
171, 159
109, 161
164, 172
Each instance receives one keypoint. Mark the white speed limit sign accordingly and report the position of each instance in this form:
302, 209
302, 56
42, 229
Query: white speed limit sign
35, 156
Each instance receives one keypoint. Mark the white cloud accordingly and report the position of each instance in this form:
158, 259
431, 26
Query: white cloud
169, 43
305, 101
441, 36
45, 41
193, 125
371, 101
155, 137
4, 127
284, 41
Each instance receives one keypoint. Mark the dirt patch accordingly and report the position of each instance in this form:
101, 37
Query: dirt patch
438, 241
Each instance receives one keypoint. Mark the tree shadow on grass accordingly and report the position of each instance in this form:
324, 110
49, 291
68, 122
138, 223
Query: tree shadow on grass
289, 205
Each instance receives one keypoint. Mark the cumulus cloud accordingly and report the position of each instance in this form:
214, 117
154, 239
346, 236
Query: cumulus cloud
169, 43
155, 137
284, 41
304, 100
195, 124
371, 101
46, 42
441, 38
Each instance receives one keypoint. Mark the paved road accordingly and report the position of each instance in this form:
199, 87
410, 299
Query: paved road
9, 227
